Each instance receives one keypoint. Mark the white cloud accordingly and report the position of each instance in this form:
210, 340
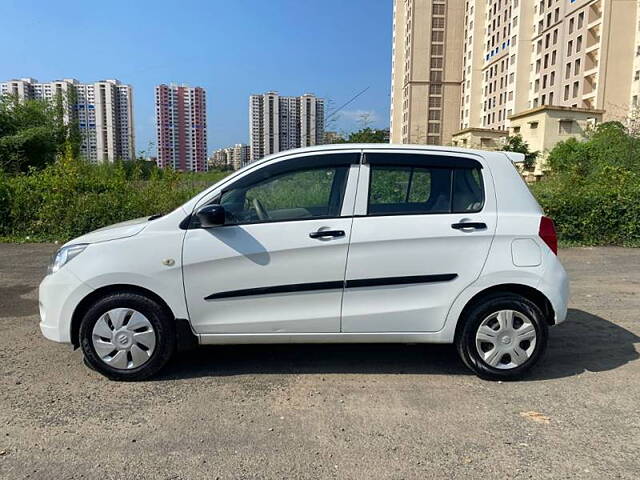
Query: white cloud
358, 115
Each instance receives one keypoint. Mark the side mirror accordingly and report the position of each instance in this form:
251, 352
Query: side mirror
211, 216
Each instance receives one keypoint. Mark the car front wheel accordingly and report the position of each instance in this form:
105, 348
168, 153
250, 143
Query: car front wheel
502, 337
127, 336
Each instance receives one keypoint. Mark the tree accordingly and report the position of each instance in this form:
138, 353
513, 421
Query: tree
32, 134
609, 144
366, 135
516, 144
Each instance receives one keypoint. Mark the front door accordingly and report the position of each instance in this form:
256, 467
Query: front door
423, 233
278, 263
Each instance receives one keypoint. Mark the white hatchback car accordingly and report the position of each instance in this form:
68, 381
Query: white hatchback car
341, 243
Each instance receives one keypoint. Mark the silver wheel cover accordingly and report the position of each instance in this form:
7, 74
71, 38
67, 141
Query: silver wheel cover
506, 339
123, 338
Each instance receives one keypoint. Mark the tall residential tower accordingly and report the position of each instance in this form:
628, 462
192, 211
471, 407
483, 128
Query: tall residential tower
181, 120
281, 123
463, 65
426, 70
103, 111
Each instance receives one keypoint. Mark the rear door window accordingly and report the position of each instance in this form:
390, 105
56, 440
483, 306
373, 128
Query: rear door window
423, 184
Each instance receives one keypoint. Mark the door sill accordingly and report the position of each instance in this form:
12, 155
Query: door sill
378, 337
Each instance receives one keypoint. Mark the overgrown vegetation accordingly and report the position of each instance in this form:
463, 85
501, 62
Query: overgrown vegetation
72, 197
593, 189
32, 134
365, 135
46, 193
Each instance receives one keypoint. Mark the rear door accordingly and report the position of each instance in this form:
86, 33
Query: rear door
423, 228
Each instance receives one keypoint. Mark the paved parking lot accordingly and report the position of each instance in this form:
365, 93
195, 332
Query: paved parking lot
329, 411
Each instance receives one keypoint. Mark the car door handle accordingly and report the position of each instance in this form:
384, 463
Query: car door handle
327, 233
474, 225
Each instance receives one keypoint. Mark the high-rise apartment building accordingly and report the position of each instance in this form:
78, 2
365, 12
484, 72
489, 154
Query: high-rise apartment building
279, 123
103, 111
426, 70
181, 122
231, 157
514, 56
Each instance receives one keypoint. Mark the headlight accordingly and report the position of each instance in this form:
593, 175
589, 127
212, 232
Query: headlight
64, 255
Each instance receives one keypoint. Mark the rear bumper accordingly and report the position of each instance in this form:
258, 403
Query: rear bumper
555, 285
59, 294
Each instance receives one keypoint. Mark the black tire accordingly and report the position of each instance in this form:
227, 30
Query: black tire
163, 325
466, 339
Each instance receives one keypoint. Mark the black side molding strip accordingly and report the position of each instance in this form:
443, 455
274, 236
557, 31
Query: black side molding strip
357, 283
298, 287
377, 282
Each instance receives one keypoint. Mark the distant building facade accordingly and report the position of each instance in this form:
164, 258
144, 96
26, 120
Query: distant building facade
181, 127
231, 157
426, 70
333, 137
278, 123
478, 64
103, 111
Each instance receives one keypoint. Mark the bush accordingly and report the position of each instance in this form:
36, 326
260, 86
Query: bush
593, 190
72, 197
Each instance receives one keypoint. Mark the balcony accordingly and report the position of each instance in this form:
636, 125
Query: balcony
595, 13
589, 86
591, 62
593, 39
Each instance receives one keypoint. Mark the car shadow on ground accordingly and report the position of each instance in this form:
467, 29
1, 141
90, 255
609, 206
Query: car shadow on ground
585, 342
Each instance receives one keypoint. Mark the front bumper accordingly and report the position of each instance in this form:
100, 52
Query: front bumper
59, 295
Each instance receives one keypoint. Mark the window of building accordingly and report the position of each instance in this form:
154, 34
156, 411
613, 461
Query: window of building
566, 92
565, 127
569, 48
567, 70
437, 36
576, 69
580, 19
578, 43
576, 86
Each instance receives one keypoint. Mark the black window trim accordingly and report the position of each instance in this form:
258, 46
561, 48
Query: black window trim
421, 160
299, 164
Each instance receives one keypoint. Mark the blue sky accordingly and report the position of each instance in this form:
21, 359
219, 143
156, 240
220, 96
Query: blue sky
232, 48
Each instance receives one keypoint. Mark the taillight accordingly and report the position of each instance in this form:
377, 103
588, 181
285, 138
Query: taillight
548, 234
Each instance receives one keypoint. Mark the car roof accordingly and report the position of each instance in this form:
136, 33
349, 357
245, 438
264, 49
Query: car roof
377, 146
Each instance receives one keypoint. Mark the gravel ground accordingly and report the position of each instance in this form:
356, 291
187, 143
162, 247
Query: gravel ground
329, 411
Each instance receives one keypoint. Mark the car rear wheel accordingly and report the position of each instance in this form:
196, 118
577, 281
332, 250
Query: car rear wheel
502, 337
127, 336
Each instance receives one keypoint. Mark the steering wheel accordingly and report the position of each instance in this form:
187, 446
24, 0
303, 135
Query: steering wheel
260, 210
